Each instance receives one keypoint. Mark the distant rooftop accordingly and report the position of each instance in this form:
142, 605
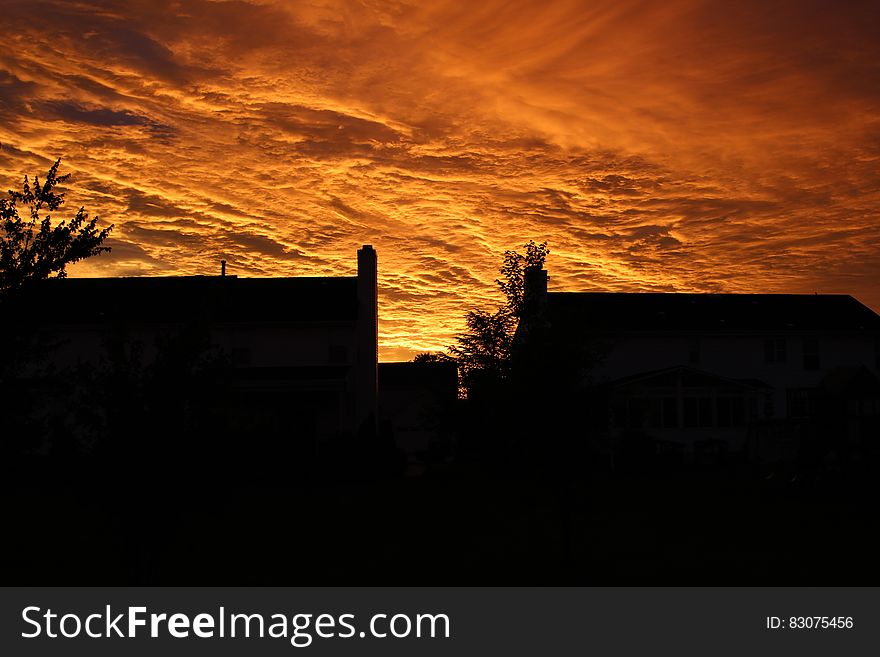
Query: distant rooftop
181, 298
642, 311
429, 375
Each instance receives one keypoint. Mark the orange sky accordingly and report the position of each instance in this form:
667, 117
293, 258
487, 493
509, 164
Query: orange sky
675, 145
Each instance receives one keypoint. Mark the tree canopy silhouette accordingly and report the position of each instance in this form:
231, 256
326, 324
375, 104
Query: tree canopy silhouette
483, 351
513, 271
31, 248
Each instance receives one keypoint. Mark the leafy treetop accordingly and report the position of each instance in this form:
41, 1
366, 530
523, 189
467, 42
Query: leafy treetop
32, 248
513, 271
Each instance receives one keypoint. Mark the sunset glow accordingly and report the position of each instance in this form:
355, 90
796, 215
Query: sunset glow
663, 146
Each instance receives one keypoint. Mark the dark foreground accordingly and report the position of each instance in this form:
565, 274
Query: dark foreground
454, 525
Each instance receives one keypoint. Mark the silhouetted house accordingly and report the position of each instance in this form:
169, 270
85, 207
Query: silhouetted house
300, 353
418, 400
699, 373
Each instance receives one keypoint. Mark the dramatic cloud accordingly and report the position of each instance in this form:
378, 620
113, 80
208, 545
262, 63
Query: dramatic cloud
683, 145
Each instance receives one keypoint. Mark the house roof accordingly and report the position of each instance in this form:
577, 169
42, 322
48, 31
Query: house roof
642, 311
183, 298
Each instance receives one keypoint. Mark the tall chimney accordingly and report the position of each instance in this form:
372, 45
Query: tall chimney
367, 376
223, 268
535, 292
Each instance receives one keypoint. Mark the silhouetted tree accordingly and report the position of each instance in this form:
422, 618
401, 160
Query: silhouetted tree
513, 271
483, 351
32, 248
172, 403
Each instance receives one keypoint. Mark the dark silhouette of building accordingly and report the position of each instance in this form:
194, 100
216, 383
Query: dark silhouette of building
298, 355
418, 401
696, 376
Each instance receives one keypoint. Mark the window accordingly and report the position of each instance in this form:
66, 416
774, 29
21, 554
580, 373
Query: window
811, 354
630, 413
697, 412
618, 413
664, 413
656, 418
774, 350
753, 408
670, 412
731, 411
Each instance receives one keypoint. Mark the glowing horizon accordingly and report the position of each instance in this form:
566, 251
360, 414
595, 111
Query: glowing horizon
658, 146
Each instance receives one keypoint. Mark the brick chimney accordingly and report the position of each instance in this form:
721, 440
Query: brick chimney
367, 366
